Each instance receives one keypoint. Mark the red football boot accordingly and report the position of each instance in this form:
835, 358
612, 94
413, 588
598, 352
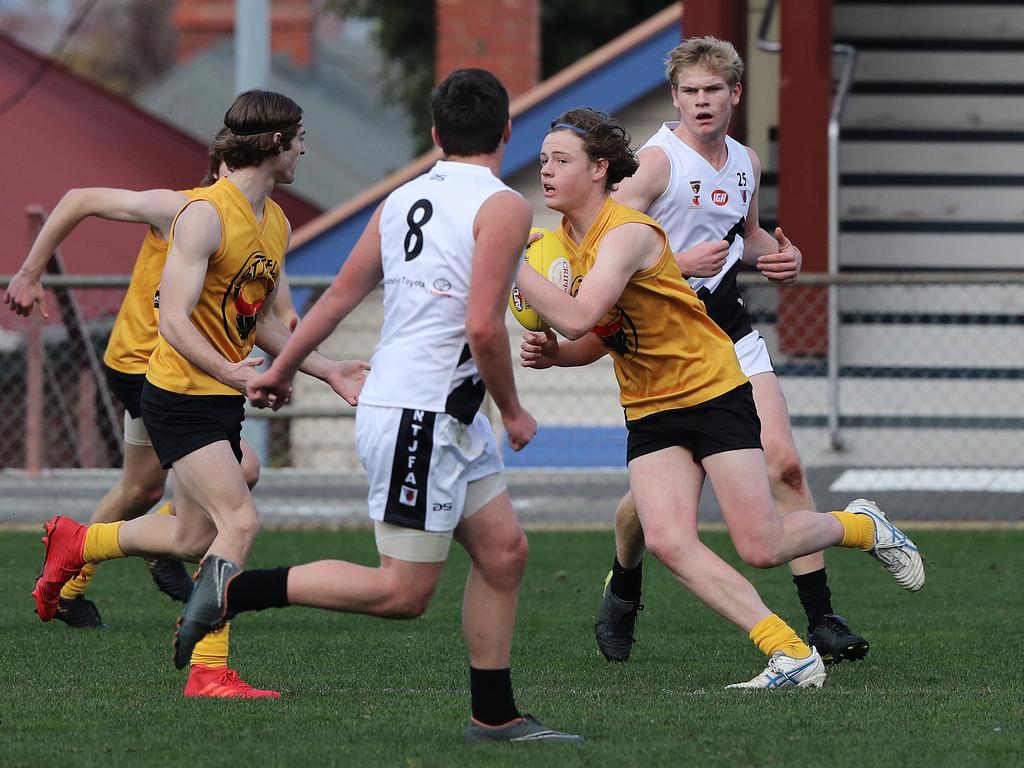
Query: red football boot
64, 541
222, 683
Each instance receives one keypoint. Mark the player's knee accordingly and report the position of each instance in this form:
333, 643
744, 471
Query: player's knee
241, 524
504, 567
625, 513
250, 469
786, 470
668, 549
193, 545
144, 495
759, 554
407, 601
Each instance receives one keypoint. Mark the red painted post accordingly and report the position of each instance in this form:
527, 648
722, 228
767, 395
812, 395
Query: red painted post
88, 433
34, 394
502, 36
805, 86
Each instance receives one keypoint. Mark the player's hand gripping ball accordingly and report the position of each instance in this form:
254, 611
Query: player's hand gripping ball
548, 257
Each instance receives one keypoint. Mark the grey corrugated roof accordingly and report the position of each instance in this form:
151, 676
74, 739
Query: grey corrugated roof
353, 138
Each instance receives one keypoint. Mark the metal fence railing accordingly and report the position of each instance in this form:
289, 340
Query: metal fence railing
928, 372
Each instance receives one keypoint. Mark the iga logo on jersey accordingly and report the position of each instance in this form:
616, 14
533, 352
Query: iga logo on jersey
719, 197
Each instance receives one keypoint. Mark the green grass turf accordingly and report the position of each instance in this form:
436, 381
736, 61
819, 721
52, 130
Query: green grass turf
941, 686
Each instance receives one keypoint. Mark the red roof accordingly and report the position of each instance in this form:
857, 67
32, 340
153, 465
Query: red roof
69, 132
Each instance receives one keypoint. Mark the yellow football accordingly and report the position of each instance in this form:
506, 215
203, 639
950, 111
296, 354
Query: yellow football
548, 257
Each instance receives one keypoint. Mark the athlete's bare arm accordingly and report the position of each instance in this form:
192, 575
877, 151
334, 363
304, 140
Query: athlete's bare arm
648, 183
774, 256
359, 275
500, 232
625, 250
156, 207
197, 236
346, 377
284, 307
543, 350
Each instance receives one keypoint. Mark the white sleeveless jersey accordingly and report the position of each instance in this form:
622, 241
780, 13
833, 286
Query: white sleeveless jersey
702, 204
422, 360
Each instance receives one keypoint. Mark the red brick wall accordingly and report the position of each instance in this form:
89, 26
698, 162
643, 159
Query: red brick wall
502, 36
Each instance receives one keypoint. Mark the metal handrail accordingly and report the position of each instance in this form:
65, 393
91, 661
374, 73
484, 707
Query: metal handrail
771, 46
849, 54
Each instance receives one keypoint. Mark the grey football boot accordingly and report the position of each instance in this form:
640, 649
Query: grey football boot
527, 728
206, 609
615, 623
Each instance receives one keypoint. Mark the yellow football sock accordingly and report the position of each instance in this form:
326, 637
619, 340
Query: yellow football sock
773, 634
858, 530
101, 542
165, 509
212, 650
77, 586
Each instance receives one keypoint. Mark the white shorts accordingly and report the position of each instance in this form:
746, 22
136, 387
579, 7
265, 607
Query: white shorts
419, 464
135, 431
414, 546
753, 355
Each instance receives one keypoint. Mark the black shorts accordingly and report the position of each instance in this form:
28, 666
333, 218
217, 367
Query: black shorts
182, 424
728, 422
127, 387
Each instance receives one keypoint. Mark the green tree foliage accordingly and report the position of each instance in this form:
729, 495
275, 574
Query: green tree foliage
570, 29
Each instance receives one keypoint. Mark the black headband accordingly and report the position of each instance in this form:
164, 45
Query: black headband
258, 131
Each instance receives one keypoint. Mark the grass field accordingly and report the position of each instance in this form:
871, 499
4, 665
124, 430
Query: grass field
943, 684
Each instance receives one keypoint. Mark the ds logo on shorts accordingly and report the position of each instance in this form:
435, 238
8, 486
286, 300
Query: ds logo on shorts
719, 197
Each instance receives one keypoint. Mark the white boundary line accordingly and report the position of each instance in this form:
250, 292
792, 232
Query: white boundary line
930, 479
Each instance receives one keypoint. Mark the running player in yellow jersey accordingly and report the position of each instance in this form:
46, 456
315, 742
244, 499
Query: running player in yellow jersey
217, 291
132, 339
687, 161
689, 408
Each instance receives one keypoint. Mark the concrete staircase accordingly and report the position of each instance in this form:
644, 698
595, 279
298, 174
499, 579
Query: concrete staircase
931, 178
932, 146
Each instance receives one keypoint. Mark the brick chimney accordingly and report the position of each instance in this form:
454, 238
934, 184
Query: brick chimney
502, 36
201, 23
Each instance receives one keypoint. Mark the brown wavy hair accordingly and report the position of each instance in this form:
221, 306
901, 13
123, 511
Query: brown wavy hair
603, 138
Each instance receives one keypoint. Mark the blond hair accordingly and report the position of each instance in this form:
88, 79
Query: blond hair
710, 53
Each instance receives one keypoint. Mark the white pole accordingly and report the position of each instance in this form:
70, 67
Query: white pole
252, 44
252, 70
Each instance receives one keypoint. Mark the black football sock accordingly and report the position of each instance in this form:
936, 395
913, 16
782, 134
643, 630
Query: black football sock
491, 692
627, 583
258, 589
814, 595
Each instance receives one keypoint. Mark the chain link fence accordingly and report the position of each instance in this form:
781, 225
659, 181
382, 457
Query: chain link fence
920, 373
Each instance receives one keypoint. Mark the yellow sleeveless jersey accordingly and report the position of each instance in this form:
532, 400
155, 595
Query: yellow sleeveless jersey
667, 352
135, 333
244, 269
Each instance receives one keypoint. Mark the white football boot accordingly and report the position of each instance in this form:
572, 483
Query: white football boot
892, 548
785, 672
